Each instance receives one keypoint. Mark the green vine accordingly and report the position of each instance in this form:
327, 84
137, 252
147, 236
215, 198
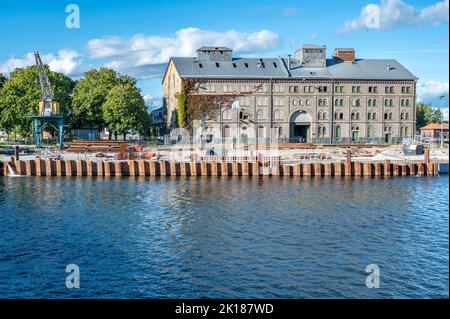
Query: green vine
194, 105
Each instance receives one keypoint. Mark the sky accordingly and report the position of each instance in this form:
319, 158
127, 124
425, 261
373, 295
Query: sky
137, 37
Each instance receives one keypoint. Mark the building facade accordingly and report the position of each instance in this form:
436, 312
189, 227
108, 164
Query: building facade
435, 131
304, 98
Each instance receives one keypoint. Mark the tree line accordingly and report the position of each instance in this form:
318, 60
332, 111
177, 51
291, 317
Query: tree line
101, 98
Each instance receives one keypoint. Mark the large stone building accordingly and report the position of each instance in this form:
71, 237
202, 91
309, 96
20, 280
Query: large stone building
306, 97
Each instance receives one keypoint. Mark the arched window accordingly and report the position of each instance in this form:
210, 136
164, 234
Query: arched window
336, 102
374, 102
320, 102
324, 131
341, 102
369, 102
294, 102
300, 102
319, 115
404, 131
353, 116
407, 102
341, 116
324, 116
357, 116
390, 116
374, 116
307, 102
402, 116
226, 131
336, 115
406, 116
338, 131
372, 132
369, 116
391, 102
402, 102
261, 132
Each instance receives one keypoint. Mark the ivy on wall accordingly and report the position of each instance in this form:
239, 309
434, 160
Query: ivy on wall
193, 104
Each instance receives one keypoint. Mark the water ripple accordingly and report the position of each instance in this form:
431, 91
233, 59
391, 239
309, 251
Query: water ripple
224, 237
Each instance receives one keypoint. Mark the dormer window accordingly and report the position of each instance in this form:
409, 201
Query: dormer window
246, 65
275, 65
234, 65
200, 65
217, 64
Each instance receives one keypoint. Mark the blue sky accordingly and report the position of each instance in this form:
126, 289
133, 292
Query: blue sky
137, 37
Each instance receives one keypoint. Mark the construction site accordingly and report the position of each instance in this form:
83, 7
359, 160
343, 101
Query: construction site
266, 158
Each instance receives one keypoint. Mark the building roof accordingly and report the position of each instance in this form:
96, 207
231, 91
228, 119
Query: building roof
435, 126
264, 68
214, 49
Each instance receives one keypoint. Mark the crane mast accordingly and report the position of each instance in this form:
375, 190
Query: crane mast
47, 105
49, 111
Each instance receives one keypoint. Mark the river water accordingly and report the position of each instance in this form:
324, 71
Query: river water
224, 237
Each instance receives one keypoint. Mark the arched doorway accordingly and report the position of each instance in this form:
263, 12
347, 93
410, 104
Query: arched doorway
300, 127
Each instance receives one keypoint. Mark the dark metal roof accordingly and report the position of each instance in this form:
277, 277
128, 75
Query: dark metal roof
264, 68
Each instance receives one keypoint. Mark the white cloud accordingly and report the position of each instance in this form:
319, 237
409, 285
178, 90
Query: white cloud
152, 102
431, 92
145, 56
141, 49
389, 14
431, 89
65, 61
437, 13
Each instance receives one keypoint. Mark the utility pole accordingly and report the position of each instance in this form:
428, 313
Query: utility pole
441, 98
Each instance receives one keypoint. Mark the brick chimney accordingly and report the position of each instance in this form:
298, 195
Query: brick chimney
344, 54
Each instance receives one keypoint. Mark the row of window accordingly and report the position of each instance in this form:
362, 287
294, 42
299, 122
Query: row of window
371, 131
279, 88
322, 131
279, 115
370, 116
278, 101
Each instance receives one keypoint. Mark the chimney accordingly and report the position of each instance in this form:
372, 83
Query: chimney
344, 54
388, 67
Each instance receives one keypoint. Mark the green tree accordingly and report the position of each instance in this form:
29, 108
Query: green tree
425, 114
437, 116
90, 94
2, 80
124, 109
20, 96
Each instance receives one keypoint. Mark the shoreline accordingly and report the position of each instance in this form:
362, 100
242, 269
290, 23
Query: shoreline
49, 167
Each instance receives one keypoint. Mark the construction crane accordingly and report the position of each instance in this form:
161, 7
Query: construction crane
47, 105
49, 111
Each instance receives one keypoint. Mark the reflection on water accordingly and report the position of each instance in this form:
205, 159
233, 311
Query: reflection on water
224, 237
